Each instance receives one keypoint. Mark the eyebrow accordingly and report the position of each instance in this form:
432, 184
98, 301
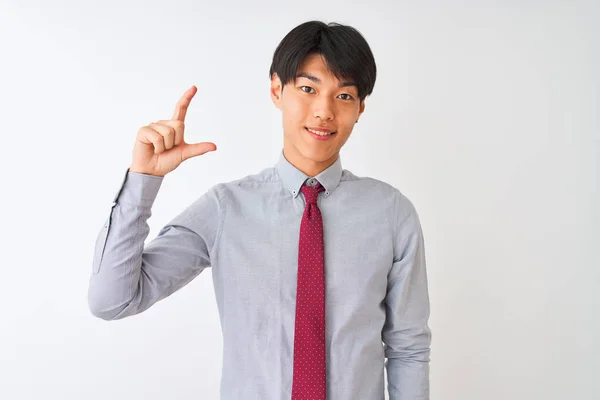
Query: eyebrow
317, 80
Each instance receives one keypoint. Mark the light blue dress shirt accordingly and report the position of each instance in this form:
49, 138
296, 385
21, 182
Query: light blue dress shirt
247, 231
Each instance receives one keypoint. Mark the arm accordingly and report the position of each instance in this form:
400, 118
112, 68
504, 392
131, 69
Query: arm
406, 334
127, 278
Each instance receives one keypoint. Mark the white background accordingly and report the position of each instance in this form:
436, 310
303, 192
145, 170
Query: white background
484, 113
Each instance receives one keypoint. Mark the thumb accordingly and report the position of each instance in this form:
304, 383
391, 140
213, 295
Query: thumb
197, 149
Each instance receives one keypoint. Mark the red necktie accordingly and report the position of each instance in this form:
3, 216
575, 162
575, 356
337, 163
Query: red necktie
309, 373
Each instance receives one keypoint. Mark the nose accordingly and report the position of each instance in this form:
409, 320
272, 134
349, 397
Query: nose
323, 109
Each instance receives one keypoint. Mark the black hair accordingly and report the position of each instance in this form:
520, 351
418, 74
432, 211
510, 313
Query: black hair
346, 52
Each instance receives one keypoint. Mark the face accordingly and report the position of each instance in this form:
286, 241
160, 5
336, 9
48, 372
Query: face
318, 100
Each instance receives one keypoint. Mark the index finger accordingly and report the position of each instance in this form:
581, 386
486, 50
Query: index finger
183, 104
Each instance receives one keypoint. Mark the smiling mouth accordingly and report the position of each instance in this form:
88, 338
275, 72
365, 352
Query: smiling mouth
319, 133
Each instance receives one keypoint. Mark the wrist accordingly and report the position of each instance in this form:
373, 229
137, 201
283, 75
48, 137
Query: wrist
143, 171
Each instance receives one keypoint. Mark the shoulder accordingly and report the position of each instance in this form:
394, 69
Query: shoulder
367, 182
251, 181
400, 204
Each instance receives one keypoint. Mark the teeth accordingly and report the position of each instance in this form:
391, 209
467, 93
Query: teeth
318, 133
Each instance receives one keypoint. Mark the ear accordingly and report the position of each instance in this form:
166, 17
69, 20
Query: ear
361, 109
276, 90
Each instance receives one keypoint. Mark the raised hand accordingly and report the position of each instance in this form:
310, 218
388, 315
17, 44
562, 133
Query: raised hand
160, 147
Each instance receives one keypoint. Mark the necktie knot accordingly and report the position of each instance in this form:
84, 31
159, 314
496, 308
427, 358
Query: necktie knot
311, 193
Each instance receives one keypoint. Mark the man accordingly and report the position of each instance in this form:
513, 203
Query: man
319, 274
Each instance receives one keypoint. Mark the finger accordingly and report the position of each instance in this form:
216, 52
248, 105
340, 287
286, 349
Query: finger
197, 149
178, 126
183, 104
150, 136
167, 133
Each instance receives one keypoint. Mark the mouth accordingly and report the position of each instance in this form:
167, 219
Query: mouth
320, 133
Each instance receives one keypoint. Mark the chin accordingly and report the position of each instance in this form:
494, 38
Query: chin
310, 149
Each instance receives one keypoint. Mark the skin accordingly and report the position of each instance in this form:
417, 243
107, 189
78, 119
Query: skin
160, 146
306, 103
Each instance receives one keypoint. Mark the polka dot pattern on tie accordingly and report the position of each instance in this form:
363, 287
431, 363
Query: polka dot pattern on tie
309, 372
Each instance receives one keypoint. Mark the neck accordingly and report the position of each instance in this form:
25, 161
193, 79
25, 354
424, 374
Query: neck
309, 167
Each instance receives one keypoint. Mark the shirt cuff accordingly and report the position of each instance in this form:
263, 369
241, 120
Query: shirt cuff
138, 189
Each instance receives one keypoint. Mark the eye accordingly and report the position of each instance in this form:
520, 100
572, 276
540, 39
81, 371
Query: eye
309, 89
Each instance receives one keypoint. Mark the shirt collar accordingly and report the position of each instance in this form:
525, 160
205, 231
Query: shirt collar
293, 178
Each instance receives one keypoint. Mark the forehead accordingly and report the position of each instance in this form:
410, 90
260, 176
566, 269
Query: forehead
314, 62
314, 68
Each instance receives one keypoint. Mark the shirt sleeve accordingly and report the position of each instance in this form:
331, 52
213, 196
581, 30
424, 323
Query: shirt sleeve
406, 334
128, 277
